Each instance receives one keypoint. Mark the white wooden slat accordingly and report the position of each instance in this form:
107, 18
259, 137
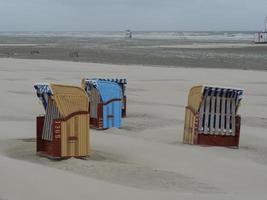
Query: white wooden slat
217, 114
212, 114
222, 131
51, 114
207, 106
228, 113
233, 116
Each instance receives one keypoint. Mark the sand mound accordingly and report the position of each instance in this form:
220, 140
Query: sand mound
105, 166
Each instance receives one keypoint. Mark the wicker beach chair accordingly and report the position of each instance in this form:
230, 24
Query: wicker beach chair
63, 131
105, 103
211, 116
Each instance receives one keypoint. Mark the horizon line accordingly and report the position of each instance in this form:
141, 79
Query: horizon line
38, 31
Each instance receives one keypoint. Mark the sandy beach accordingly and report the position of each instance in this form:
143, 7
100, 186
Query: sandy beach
145, 159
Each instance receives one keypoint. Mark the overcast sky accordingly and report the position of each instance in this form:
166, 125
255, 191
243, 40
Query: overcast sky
91, 15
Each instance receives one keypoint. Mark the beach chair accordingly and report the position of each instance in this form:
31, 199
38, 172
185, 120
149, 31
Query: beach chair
122, 83
105, 103
64, 130
211, 116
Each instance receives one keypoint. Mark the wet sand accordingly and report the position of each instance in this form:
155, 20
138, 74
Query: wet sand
156, 52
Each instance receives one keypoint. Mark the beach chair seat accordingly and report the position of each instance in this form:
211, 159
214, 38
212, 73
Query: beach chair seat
105, 105
211, 116
63, 131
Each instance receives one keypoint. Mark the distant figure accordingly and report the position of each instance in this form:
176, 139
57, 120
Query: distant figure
74, 54
129, 34
35, 52
9, 54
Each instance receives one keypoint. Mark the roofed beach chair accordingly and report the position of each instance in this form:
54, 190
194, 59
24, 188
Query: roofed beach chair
63, 131
105, 103
211, 116
122, 83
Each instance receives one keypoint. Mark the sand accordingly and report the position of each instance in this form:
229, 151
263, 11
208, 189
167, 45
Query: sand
145, 159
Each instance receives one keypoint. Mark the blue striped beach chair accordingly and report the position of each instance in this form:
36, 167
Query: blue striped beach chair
211, 116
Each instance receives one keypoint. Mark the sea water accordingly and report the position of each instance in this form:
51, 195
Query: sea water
161, 35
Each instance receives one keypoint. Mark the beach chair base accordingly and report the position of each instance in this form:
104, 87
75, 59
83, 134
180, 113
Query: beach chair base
194, 137
47, 148
224, 141
97, 123
221, 140
52, 149
44, 154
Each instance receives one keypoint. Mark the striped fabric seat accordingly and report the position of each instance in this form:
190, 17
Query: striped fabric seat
51, 114
95, 99
44, 93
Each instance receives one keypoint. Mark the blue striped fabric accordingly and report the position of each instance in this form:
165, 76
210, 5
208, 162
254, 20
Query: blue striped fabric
218, 110
43, 91
119, 81
227, 92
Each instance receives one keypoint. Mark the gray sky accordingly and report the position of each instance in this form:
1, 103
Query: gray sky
90, 15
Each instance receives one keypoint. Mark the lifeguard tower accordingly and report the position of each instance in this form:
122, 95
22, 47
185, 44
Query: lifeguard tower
261, 37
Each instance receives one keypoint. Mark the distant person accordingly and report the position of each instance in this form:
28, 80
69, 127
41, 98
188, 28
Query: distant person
129, 34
